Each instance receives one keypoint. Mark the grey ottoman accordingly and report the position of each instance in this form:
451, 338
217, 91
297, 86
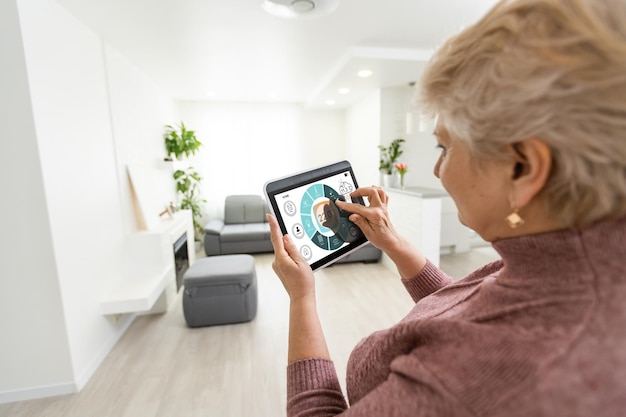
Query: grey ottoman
220, 290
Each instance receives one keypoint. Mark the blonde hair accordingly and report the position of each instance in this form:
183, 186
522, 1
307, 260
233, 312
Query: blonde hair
551, 69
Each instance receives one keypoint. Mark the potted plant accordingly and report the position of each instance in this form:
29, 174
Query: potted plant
179, 142
182, 143
187, 182
388, 156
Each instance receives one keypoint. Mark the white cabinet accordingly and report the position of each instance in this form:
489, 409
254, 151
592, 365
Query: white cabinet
416, 214
455, 238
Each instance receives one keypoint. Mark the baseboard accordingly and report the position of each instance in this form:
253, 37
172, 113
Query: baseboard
70, 387
37, 392
101, 356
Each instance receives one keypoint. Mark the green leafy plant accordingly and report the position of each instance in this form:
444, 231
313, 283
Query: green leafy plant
183, 143
179, 142
389, 155
187, 184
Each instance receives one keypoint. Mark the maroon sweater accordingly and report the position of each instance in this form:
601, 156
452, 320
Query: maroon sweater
540, 333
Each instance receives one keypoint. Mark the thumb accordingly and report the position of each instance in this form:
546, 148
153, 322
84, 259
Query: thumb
358, 220
292, 249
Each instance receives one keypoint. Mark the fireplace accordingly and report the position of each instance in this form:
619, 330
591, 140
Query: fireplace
181, 259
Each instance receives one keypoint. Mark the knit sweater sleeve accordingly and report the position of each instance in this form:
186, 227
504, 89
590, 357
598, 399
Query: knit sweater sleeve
314, 390
429, 280
313, 387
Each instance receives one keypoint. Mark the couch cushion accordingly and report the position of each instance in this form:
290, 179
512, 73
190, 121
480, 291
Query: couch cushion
244, 232
244, 209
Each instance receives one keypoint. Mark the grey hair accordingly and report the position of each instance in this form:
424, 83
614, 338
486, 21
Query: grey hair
550, 69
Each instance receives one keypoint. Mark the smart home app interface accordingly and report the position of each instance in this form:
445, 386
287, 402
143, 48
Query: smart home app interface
315, 224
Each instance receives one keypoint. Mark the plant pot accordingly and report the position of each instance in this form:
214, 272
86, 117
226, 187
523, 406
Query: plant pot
388, 180
198, 245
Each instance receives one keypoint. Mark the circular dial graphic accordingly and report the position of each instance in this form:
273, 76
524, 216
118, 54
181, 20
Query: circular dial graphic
315, 198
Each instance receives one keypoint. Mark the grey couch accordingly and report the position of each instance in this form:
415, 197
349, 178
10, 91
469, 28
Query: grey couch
366, 254
245, 230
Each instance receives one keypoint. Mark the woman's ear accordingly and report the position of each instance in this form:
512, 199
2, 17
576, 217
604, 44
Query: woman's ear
530, 171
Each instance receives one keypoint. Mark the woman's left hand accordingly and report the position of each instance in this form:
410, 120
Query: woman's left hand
306, 338
290, 266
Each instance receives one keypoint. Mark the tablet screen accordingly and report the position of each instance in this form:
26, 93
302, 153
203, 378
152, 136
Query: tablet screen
304, 207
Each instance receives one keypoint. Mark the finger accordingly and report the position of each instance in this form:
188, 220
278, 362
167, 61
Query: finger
284, 248
359, 220
276, 235
377, 198
292, 249
375, 195
351, 207
384, 197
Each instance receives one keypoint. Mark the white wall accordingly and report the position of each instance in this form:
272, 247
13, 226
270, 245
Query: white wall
33, 351
420, 152
140, 110
363, 138
247, 144
66, 208
68, 88
323, 137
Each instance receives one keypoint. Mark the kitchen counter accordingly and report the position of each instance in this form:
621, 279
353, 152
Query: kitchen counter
422, 192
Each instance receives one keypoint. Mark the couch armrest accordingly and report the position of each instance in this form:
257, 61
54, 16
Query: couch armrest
212, 233
214, 227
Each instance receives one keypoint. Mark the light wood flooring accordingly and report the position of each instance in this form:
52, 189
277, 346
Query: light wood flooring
161, 368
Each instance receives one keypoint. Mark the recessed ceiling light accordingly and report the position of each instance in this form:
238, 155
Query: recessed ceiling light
290, 9
302, 6
364, 73
330, 102
343, 90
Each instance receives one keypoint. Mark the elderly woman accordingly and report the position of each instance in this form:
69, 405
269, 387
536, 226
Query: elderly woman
531, 105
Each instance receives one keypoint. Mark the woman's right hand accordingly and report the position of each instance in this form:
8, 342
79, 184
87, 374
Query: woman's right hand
374, 222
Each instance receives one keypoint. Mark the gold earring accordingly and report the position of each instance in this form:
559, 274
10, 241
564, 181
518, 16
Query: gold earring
514, 219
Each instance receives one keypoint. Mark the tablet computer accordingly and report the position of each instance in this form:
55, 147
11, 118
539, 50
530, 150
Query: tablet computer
304, 205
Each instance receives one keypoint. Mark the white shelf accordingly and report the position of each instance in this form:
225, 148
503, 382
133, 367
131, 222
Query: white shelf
138, 293
146, 268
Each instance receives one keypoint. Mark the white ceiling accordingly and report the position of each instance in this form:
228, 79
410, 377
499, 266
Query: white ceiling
239, 52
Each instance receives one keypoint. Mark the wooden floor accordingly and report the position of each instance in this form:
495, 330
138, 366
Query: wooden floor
162, 368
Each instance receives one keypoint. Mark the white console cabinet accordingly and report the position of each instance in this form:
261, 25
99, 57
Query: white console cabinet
147, 281
416, 214
455, 238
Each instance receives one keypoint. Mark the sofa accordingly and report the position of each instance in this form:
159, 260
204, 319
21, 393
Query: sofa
367, 253
244, 229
